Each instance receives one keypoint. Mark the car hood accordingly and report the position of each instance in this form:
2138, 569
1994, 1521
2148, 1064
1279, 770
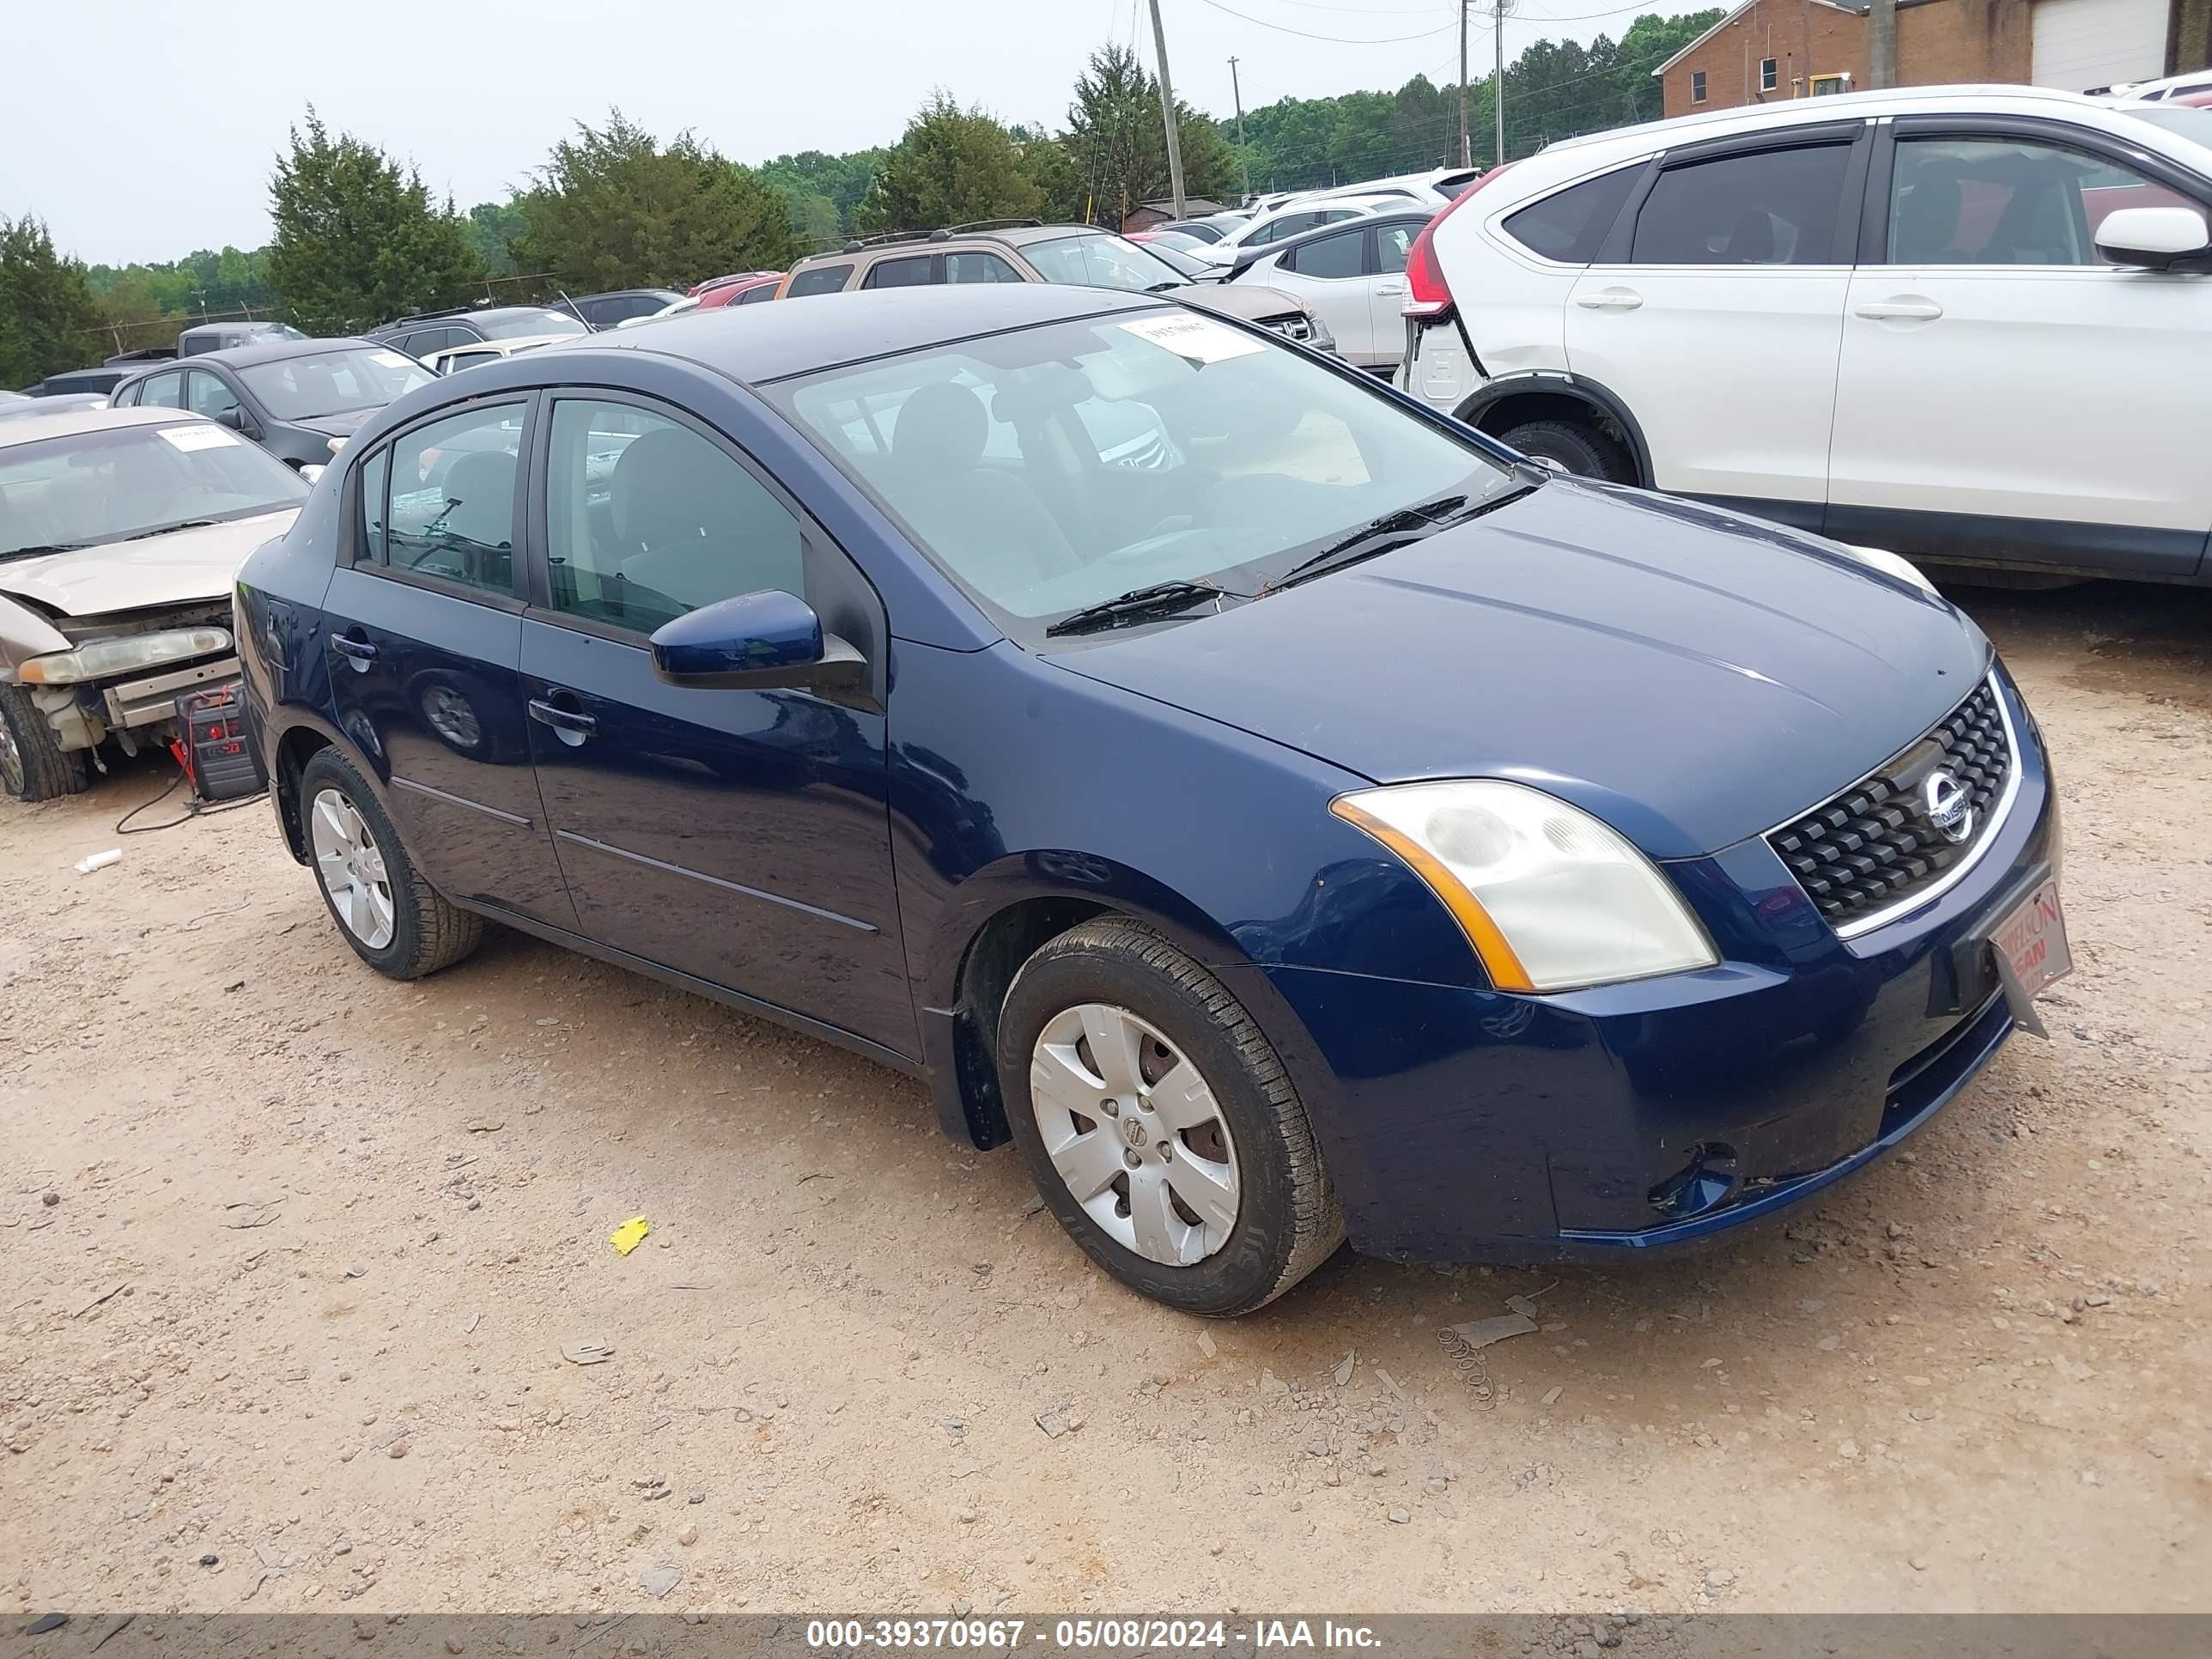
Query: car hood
183, 567
1691, 676
1249, 301
343, 425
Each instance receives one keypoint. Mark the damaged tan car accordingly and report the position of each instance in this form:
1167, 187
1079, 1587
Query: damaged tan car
121, 532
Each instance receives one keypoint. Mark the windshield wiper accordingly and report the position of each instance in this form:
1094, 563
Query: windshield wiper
1391, 531
43, 547
163, 529
1139, 605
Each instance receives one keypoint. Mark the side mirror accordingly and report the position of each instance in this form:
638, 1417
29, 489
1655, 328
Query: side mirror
311, 472
756, 642
238, 421
2156, 238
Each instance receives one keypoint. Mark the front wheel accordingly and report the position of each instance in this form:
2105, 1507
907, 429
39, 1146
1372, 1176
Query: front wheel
32, 765
395, 921
1581, 450
1159, 1124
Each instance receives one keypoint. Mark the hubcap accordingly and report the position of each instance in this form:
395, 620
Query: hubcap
352, 869
452, 718
11, 759
1135, 1134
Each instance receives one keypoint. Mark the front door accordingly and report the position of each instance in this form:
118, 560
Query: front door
425, 636
739, 836
2004, 393
1714, 315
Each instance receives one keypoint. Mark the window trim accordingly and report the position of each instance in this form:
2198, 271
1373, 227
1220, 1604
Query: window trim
530, 398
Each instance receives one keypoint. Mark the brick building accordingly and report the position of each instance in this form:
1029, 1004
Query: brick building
1765, 50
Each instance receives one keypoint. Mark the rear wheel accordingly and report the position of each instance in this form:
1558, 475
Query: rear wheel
1583, 450
395, 921
34, 766
1159, 1124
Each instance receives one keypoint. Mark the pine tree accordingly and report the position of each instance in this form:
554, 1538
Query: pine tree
358, 241
1119, 143
49, 320
953, 165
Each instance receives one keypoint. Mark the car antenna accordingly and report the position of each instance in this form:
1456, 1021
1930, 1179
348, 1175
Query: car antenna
572, 311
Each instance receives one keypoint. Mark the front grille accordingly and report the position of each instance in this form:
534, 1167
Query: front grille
1292, 326
1874, 846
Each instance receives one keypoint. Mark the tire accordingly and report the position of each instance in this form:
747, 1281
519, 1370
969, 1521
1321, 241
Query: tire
354, 848
1583, 450
1285, 1219
34, 766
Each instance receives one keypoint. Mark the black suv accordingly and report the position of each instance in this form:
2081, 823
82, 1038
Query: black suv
433, 330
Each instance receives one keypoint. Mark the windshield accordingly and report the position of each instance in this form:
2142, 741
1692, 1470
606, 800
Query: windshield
2190, 123
1049, 469
507, 325
332, 382
1100, 261
122, 482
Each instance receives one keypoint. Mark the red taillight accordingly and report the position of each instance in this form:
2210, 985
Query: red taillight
1427, 293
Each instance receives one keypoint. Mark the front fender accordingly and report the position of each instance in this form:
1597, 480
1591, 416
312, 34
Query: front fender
24, 633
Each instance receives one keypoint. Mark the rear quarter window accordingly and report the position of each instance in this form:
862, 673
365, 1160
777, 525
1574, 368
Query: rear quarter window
819, 279
1570, 225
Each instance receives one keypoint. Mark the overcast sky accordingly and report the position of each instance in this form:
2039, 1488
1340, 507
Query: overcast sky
142, 132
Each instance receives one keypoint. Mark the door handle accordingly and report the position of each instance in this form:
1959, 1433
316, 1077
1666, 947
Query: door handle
1610, 299
1900, 311
571, 726
359, 653
1391, 291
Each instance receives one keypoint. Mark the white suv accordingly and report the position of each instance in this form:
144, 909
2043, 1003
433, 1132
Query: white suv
1971, 323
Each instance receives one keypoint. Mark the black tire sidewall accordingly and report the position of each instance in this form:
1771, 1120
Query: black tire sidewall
49, 770
326, 770
1584, 453
1248, 1269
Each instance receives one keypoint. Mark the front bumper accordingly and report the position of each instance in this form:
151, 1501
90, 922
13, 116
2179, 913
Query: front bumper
1465, 1125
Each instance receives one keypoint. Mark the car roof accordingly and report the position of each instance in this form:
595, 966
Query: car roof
264, 351
69, 423
758, 343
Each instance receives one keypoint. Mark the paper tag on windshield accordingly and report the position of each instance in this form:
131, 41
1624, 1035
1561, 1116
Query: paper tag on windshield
196, 436
389, 360
1196, 339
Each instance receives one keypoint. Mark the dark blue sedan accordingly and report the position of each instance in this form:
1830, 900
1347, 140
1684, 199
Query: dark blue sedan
1283, 813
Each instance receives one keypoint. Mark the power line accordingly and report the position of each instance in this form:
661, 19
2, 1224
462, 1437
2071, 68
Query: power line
1334, 39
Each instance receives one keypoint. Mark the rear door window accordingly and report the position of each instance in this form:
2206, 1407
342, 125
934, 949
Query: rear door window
910, 272
1338, 254
452, 486
819, 279
163, 390
1776, 207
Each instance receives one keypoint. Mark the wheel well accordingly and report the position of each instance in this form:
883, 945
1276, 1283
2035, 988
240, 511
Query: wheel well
994, 956
294, 751
1520, 408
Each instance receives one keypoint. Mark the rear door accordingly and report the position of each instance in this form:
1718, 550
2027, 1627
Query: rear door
739, 836
424, 629
1329, 274
1388, 242
1986, 342
1715, 309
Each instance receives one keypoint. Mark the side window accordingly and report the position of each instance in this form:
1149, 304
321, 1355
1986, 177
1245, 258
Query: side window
1775, 207
1391, 243
124, 397
206, 394
648, 520
1570, 225
2004, 202
755, 294
453, 498
375, 473
912, 272
163, 390
1768, 74
976, 266
1341, 253
1697, 86
819, 279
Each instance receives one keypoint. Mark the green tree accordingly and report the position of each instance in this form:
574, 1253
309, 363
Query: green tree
813, 177
492, 230
48, 319
1047, 164
614, 208
1119, 145
359, 241
953, 166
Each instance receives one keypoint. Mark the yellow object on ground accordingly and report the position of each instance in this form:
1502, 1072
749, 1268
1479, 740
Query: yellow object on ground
627, 1236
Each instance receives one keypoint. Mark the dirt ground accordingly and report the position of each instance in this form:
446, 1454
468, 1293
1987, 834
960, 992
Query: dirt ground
291, 1253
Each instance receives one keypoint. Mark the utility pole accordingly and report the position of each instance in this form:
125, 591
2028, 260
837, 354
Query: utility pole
1168, 111
1498, 81
1465, 148
1244, 156
1881, 42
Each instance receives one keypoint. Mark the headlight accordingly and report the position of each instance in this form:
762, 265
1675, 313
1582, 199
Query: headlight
1890, 563
1321, 339
120, 656
1550, 898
